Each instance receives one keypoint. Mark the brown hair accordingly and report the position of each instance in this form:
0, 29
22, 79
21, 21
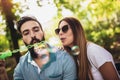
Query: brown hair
25, 19
84, 72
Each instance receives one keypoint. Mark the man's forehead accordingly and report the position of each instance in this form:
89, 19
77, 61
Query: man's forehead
29, 25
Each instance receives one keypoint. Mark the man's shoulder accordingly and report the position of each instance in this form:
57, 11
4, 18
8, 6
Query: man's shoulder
61, 53
24, 57
58, 51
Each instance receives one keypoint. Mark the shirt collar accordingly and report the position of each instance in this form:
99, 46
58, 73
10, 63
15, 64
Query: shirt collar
31, 61
52, 59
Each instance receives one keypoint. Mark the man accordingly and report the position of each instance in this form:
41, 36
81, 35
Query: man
58, 65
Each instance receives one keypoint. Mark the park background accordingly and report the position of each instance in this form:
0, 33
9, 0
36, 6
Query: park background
99, 18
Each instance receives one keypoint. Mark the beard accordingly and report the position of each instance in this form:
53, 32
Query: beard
31, 50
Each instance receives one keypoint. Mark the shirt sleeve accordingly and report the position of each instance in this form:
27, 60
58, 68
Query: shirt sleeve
97, 55
17, 73
69, 68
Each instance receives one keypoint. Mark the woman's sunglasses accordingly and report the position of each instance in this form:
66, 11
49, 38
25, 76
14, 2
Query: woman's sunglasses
64, 29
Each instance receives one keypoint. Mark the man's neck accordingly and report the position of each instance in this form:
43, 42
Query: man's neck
38, 62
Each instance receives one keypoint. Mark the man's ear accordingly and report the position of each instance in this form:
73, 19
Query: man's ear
44, 35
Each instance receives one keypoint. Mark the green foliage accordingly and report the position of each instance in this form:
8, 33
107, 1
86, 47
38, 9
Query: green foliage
100, 19
3, 43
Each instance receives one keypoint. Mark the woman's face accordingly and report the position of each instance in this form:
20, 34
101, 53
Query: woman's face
65, 34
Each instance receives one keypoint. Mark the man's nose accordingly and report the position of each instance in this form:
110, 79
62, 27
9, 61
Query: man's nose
32, 34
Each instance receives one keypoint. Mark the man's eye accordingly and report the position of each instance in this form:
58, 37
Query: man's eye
25, 33
36, 29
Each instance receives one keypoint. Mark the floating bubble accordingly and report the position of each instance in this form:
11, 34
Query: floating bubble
75, 50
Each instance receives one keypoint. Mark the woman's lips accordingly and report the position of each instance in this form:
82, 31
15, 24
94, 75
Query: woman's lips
62, 39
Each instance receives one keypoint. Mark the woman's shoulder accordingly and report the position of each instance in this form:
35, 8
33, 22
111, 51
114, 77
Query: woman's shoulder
98, 54
92, 47
97, 50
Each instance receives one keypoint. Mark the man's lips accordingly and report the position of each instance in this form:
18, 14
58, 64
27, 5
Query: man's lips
34, 42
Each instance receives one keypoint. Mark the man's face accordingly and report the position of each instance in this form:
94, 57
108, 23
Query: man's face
31, 32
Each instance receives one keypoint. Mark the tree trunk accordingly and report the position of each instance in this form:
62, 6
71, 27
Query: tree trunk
10, 17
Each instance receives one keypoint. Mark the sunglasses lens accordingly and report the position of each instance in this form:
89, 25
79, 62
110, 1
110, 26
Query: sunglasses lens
57, 31
65, 28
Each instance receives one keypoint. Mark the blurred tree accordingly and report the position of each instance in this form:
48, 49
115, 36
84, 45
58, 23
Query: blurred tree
6, 8
100, 19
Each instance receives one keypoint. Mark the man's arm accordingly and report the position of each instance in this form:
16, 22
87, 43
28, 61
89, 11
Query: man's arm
17, 73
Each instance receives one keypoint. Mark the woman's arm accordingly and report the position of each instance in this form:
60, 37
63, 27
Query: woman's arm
108, 71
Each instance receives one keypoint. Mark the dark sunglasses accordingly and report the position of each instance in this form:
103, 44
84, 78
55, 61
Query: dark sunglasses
64, 29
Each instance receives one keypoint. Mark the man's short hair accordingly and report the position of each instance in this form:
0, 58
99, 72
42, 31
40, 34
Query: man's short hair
25, 19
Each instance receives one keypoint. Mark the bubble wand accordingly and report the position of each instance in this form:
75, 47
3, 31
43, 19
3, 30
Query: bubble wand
42, 44
8, 53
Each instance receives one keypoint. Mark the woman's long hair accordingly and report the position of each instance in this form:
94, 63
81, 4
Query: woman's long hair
84, 72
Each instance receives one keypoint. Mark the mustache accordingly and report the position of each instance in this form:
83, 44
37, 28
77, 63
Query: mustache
34, 39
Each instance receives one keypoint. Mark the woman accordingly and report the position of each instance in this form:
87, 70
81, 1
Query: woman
93, 62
